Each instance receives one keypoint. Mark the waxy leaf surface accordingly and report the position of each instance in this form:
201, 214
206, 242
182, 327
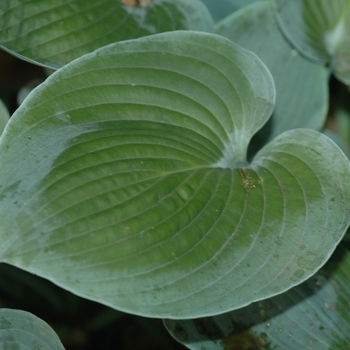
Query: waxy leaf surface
313, 315
125, 181
22, 330
319, 29
54, 32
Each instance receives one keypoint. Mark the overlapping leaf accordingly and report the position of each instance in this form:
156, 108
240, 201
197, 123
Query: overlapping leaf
301, 86
338, 140
320, 30
22, 330
126, 181
219, 10
54, 32
224, 8
313, 315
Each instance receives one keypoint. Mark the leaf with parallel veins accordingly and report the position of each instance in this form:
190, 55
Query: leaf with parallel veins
126, 181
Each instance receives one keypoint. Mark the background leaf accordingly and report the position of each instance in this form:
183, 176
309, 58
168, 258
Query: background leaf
126, 181
313, 315
320, 30
338, 140
53, 33
224, 8
301, 86
22, 330
220, 9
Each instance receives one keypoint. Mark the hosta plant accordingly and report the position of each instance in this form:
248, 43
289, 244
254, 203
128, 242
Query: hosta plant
174, 169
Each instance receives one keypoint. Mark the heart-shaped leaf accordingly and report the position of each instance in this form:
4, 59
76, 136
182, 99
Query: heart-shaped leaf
125, 181
313, 315
53, 33
301, 85
22, 330
318, 29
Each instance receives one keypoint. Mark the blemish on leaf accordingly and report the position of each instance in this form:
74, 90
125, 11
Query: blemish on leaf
242, 339
309, 260
137, 3
248, 182
297, 275
327, 306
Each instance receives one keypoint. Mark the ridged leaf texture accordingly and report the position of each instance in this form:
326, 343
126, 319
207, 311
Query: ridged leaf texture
313, 315
301, 85
22, 330
54, 32
125, 181
320, 30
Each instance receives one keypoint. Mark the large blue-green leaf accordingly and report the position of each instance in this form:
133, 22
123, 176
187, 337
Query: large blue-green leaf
21, 330
301, 86
125, 181
319, 29
54, 32
313, 315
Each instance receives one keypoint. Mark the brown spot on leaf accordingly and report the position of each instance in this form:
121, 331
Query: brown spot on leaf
137, 3
242, 339
248, 181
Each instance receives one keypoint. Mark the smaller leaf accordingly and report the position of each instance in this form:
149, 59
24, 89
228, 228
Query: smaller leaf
313, 315
22, 330
52, 33
320, 30
301, 85
220, 10
339, 141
